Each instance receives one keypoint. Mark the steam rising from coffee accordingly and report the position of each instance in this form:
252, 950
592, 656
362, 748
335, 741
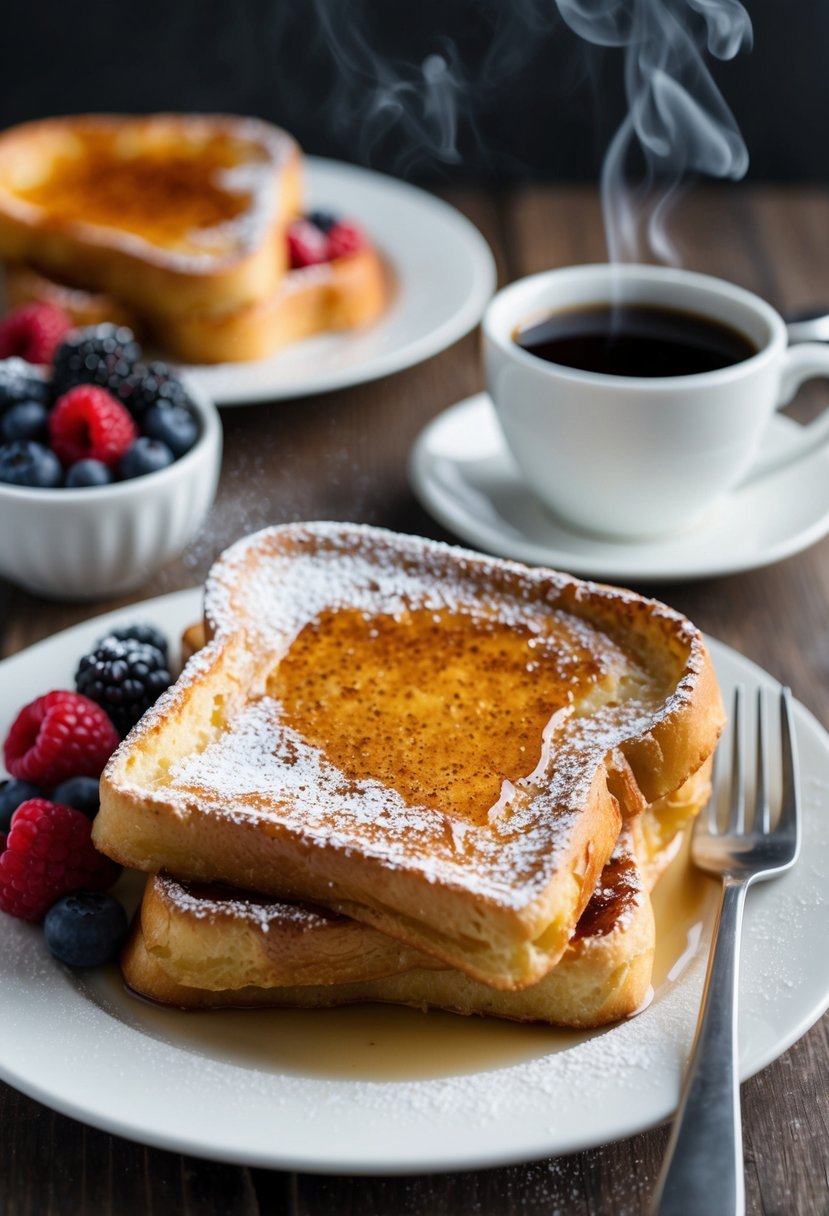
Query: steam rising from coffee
676, 115
677, 124
418, 105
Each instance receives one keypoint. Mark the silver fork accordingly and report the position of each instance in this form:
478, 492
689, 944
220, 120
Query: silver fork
703, 1168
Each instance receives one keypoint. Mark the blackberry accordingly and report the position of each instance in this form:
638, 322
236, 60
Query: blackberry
19, 383
125, 677
101, 354
153, 384
148, 634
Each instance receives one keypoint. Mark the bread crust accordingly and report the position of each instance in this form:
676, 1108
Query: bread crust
216, 265
498, 902
339, 295
213, 949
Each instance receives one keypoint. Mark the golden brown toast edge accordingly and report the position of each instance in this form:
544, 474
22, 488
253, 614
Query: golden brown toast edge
603, 975
137, 272
344, 294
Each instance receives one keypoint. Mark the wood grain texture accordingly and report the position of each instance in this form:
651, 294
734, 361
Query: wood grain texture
343, 456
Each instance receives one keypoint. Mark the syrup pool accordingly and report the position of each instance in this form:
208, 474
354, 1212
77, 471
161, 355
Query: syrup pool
387, 1043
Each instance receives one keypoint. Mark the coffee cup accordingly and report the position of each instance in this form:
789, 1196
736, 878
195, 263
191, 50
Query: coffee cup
633, 457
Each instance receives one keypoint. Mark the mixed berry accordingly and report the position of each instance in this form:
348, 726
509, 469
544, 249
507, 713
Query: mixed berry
55, 751
320, 237
102, 415
125, 676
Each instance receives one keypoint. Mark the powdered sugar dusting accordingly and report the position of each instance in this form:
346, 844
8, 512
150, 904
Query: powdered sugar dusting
266, 914
259, 768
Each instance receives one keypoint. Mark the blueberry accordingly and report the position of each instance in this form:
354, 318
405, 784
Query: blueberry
80, 792
145, 456
25, 420
147, 634
19, 383
324, 220
24, 463
87, 473
12, 793
85, 929
173, 425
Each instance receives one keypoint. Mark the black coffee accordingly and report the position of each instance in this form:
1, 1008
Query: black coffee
634, 340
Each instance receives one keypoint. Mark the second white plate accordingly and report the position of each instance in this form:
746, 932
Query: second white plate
443, 275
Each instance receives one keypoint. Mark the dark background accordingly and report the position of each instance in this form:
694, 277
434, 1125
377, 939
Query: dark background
528, 108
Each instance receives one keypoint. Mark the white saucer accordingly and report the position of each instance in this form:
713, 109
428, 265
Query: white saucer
464, 475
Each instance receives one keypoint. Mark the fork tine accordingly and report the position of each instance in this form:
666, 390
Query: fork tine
789, 821
737, 801
717, 779
762, 814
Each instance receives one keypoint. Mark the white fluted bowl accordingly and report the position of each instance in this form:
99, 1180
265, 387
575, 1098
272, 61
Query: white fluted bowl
99, 541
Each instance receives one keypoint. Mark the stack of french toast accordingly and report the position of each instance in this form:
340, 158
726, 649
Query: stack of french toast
177, 226
393, 770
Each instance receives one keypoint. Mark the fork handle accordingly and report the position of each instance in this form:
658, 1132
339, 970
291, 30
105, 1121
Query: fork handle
703, 1167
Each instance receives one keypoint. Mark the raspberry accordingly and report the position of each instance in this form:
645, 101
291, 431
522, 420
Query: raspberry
33, 332
60, 735
344, 239
307, 246
102, 354
88, 424
49, 852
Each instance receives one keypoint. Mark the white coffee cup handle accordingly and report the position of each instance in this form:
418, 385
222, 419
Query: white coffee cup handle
800, 363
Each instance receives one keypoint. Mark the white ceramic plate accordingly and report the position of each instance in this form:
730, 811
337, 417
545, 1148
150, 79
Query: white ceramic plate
373, 1091
443, 275
463, 473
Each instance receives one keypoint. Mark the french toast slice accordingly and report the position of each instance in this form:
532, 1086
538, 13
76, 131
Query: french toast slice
438, 744
203, 948
342, 294
165, 212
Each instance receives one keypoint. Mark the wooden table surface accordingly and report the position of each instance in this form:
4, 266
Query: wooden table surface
343, 456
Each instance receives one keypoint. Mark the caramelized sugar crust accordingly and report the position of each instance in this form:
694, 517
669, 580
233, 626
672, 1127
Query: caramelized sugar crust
170, 194
618, 890
446, 708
